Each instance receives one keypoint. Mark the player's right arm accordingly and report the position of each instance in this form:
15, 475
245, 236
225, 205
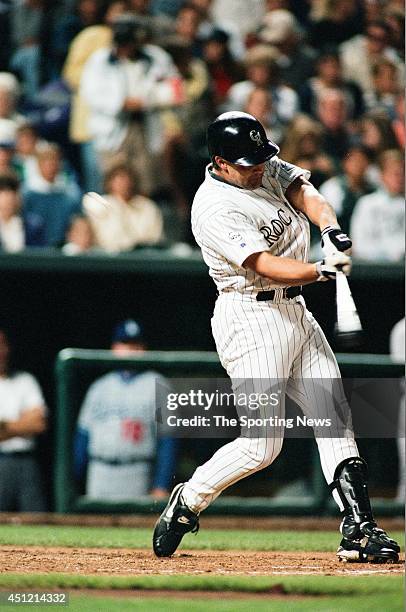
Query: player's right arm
284, 270
291, 273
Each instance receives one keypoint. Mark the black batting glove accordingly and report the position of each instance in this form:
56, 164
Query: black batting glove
333, 239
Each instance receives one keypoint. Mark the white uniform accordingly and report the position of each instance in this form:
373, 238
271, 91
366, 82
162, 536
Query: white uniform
261, 340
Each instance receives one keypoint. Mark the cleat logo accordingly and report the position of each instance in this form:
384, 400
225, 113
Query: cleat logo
184, 520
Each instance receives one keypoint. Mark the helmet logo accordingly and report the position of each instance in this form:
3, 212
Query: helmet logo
256, 137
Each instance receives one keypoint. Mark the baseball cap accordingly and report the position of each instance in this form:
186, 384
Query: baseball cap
128, 331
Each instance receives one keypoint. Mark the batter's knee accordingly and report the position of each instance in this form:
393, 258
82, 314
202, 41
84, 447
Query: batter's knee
263, 451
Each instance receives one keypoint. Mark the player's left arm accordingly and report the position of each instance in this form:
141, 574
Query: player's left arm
303, 196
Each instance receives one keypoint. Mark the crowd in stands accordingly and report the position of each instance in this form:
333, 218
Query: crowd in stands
114, 96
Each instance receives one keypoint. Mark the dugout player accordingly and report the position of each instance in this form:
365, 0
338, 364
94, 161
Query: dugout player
251, 219
116, 442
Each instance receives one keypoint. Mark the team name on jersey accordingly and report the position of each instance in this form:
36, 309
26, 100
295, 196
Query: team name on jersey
276, 227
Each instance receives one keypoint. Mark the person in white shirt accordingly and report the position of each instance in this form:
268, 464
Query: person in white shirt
359, 54
22, 417
17, 231
130, 218
125, 86
378, 221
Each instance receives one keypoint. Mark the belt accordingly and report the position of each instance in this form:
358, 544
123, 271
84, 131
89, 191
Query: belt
289, 293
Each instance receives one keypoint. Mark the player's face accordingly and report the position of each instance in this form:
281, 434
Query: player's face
247, 177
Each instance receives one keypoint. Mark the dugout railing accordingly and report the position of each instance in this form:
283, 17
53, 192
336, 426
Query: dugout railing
76, 368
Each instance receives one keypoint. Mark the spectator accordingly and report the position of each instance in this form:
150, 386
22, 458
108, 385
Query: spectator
260, 105
130, 220
296, 60
50, 172
16, 231
398, 122
303, 146
359, 54
80, 237
244, 16
328, 76
116, 436
26, 26
7, 146
185, 133
91, 39
22, 417
187, 27
378, 220
343, 191
159, 25
332, 112
263, 71
9, 92
386, 87
208, 25
86, 13
395, 18
341, 20
377, 136
123, 87
48, 196
27, 142
223, 69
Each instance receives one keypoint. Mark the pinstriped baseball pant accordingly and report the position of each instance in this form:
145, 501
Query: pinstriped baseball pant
263, 341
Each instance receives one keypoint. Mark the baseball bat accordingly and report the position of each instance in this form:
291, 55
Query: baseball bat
348, 328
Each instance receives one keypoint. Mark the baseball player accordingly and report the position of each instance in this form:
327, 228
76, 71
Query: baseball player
251, 219
116, 435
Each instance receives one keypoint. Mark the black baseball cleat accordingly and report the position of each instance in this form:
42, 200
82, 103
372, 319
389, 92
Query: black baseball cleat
175, 521
366, 543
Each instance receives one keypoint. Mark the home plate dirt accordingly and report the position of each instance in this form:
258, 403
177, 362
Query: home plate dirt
132, 562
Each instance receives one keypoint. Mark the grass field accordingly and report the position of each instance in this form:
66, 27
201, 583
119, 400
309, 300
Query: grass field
328, 593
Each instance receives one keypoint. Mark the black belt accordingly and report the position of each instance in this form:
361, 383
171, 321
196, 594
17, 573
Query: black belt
289, 293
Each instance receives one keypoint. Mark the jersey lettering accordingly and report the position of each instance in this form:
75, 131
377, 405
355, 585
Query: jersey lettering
276, 227
133, 431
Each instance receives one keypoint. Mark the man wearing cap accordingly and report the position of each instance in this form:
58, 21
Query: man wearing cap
125, 86
116, 432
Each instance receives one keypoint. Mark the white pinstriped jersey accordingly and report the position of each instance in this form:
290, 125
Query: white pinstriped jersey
260, 342
230, 224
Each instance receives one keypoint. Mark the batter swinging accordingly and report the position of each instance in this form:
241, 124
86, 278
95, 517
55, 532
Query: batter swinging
250, 218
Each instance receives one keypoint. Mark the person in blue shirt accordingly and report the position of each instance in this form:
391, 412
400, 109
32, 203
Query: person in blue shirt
116, 442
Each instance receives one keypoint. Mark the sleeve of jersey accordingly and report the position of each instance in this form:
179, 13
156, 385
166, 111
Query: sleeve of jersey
284, 172
233, 235
33, 397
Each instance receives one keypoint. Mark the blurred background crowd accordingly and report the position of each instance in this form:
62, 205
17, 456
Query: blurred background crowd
115, 97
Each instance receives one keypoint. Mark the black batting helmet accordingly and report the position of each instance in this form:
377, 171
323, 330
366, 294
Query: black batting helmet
240, 139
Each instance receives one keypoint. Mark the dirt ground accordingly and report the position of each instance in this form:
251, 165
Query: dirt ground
132, 562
